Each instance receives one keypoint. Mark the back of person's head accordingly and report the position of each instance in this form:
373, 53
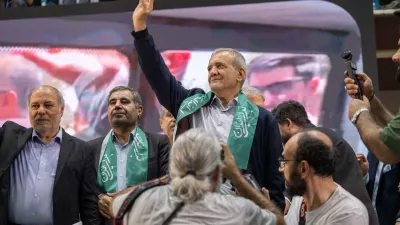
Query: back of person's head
316, 149
194, 158
292, 110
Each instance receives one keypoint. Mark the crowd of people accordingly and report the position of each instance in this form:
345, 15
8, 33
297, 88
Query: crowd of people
223, 157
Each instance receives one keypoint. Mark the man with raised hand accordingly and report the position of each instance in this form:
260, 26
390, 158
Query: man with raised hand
251, 132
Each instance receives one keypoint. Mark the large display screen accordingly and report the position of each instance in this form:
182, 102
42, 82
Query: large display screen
292, 52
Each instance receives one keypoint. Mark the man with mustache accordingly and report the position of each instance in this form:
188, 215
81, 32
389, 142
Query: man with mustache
46, 175
292, 119
126, 156
308, 163
167, 123
250, 132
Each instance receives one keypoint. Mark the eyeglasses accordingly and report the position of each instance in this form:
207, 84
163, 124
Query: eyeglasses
282, 161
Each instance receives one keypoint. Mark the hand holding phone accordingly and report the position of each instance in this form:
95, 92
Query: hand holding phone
351, 69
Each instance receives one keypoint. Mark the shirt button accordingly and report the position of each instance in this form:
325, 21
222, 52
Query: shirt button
122, 161
35, 195
42, 162
120, 175
33, 214
39, 178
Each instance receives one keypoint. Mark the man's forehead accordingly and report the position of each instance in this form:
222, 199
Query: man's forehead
44, 92
291, 146
222, 56
121, 95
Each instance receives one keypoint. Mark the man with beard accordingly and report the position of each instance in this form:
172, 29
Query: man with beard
192, 197
167, 123
126, 156
378, 128
251, 132
292, 119
308, 163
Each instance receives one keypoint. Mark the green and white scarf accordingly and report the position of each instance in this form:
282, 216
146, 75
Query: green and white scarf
136, 164
243, 127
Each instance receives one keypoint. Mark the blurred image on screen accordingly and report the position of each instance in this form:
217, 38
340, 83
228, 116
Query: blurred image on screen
84, 77
292, 52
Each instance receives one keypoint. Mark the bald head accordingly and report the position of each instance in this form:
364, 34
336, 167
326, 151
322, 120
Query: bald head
48, 88
318, 135
315, 148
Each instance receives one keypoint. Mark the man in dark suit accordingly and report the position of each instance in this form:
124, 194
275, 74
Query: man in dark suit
251, 132
382, 185
126, 156
46, 175
292, 118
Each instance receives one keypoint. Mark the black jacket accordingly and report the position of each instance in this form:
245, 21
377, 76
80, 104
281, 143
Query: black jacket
267, 146
387, 201
157, 156
74, 191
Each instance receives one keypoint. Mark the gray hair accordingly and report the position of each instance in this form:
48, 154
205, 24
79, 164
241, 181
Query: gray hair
137, 100
60, 97
162, 112
253, 91
195, 151
238, 59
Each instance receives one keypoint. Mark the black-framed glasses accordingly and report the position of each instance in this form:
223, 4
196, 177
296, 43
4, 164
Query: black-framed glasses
282, 161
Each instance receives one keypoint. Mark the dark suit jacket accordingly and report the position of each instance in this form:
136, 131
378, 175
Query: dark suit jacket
388, 197
74, 191
158, 154
267, 145
347, 172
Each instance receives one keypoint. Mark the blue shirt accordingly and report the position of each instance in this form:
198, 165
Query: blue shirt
382, 168
122, 156
31, 181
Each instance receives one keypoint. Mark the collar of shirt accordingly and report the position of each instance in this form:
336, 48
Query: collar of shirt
131, 135
57, 138
216, 101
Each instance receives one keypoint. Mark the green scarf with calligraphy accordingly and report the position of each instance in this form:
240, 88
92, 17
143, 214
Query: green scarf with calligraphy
136, 163
243, 127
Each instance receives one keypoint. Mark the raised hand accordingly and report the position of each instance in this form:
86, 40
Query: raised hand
142, 11
352, 87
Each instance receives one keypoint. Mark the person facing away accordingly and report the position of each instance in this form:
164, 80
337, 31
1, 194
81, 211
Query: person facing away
192, 196
46, 175
126, 156
292, 119
308, 164
251, 132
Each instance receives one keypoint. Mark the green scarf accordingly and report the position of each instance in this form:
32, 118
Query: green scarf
243, 127
136, 164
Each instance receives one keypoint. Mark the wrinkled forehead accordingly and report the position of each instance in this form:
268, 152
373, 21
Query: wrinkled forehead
43, 95
222, 56
123, 94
